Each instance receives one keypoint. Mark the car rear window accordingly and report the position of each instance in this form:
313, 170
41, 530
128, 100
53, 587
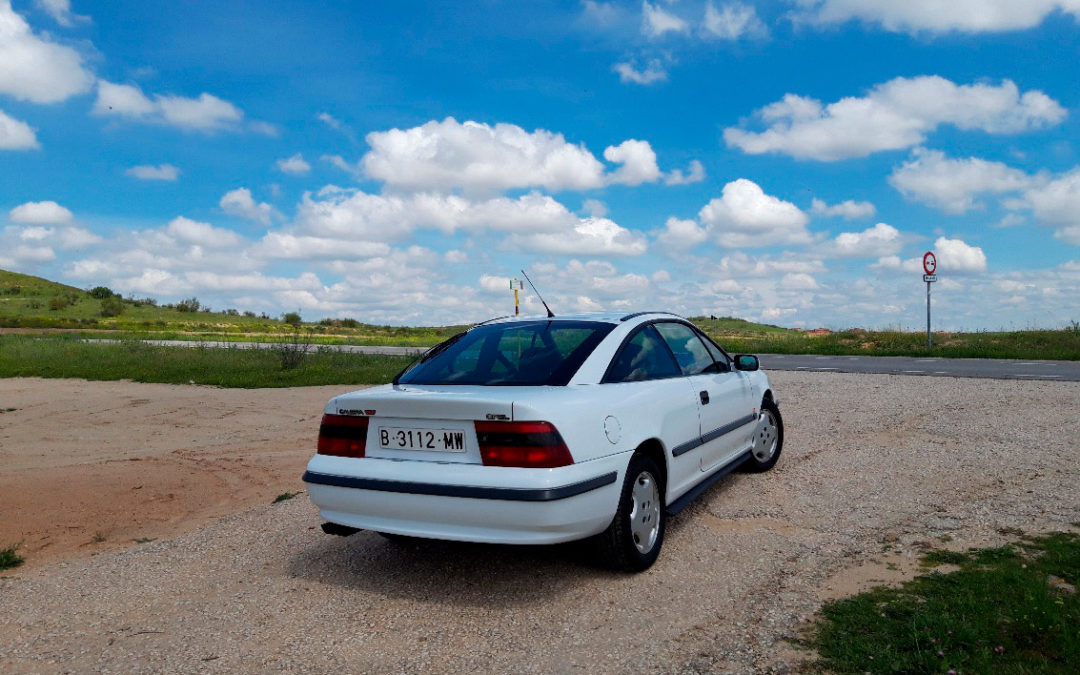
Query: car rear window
521, 353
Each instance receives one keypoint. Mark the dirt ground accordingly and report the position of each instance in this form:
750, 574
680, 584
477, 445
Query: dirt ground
87, 467
876, 469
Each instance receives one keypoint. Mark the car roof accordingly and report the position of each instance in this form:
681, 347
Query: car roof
604, 317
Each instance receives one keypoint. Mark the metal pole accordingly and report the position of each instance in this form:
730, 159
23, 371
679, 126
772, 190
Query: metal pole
928, 315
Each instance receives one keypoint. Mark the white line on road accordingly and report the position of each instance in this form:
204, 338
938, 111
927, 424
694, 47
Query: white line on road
913, 372
1035, 363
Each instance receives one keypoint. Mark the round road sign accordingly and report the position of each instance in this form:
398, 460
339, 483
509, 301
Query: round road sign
929, 262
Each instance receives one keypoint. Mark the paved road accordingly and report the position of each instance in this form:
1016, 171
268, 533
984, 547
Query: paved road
1002, 369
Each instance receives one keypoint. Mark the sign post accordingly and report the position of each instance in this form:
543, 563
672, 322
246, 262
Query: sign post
929, 264
516, 285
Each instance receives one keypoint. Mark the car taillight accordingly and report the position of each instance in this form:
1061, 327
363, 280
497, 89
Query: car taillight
343, 436
523, 444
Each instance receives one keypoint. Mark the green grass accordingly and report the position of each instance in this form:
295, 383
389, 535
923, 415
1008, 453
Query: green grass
998, 613
9, 558
1061, 345
60, 356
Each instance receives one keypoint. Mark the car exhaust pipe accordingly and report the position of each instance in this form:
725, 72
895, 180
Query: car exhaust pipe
339, 530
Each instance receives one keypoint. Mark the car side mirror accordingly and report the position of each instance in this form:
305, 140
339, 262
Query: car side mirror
746, 362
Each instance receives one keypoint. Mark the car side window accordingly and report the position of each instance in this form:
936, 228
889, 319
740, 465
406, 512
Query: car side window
688, 348
643, 357
723, 363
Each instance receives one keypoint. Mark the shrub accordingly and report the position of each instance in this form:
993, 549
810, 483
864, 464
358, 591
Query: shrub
292, 350
188, 305
102, 292
291, 318
112, 306
13, 289
58, 302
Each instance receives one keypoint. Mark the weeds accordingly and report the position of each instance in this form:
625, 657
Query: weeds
284, 497
9, 558
292, 350
52, 356
1007, 609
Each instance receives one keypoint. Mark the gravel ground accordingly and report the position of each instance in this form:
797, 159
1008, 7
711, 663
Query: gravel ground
875, 468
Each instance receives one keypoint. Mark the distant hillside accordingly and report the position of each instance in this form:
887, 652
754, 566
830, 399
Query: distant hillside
728, 325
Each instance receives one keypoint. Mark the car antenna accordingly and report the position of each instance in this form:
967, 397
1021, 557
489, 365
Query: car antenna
551, 315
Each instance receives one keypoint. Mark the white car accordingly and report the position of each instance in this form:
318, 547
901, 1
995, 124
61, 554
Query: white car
546, 430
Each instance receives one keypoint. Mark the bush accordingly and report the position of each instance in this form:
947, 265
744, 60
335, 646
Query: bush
292, 350
112, 306
13, 289
291, 318
188, 305
102, 292
58, 302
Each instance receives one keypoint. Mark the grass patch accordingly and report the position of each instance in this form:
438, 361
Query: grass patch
1012, 609
10, 558
61, 356
284, 497
1063, 345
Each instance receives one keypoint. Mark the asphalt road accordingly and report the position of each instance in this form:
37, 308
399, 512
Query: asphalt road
1000, 369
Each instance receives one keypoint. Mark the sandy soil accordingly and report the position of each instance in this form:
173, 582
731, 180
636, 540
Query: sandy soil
93, 466
876, 469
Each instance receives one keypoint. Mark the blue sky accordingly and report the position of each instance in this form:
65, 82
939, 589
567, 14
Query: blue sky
786, 162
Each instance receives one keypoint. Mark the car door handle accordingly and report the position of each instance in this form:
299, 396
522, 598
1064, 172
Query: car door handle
704, 397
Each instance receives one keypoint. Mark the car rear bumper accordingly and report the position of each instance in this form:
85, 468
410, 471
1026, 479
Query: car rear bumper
468, 502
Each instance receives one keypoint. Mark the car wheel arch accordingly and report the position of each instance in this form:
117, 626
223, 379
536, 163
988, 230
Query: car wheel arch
654, 450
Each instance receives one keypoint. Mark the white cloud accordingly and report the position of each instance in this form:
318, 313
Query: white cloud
799, 281
40, 213
879, 241
847, 209
194, 232
60, 11
16, 134
894, 115
1057, 202
240, 203
473, 156
653, 72
744, 216
952, 185
695, 173
733, 21
655, 22
35, 69
166, 172
964, 16
206, 113
955, 255
682, 234
294, 165
287, 246
590, 236
638, 162
595, 208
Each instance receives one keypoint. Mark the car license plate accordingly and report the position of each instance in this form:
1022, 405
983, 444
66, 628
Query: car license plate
439, 440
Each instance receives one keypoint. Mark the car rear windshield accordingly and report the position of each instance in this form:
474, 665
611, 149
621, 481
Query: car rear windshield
522, 353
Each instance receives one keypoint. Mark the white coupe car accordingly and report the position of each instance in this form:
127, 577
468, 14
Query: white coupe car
546, 430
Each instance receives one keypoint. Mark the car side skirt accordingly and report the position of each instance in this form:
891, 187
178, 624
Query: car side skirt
466, 491
684, 501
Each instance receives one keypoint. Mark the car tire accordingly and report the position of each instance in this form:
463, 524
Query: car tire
768, 439
633, 540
